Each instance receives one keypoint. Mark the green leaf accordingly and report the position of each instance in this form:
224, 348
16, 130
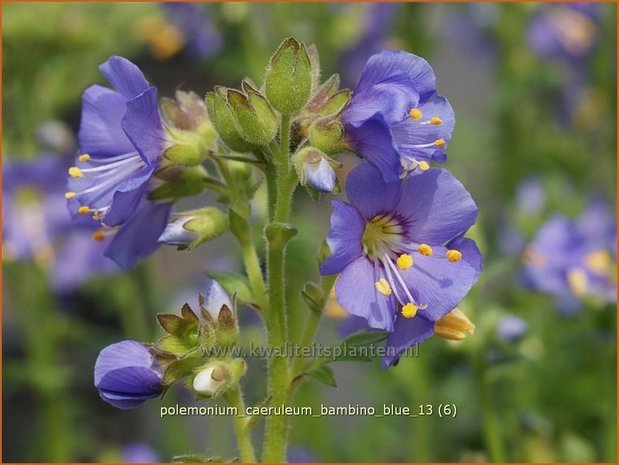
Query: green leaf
233, 283
324, 374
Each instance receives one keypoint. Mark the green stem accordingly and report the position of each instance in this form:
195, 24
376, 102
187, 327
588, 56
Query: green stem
276, 426
309, 332
491, 424
246, 450
252, 266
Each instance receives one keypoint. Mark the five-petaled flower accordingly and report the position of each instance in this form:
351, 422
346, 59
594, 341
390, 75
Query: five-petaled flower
572, 258
127, 374
395, 119
399, 249
122, 139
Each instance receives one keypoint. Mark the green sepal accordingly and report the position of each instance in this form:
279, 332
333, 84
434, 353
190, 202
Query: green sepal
181, 182
288, 81
327, 89
335, 103
221, 115
180, 369
208, 223
254, 117
175, 345
327, 135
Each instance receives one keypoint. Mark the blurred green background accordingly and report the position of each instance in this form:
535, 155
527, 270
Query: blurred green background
526, 108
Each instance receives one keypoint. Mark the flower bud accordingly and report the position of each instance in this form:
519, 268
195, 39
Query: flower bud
188, 112
188, 149
126, 374
288, 81
253, 115
178, 181
214, 299
212, 380
454, 326
314, 169
221, 115
193, 228
326, 135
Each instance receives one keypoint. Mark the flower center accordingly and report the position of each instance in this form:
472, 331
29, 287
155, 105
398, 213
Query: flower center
383, 235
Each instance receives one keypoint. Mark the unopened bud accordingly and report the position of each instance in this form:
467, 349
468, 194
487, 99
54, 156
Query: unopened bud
454, 326
221, 115
212, 380
314, 169
288, 81
253, 115
326, 135
193, 228
188, 112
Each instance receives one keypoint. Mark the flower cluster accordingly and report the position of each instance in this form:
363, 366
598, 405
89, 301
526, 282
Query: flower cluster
129, 154
574, 258
398, 243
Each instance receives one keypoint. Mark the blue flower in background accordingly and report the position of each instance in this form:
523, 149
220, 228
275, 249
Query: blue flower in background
375, 29
395, 119
511, 328
398, 248
126, 375
202, 39
573, 258
122, 139
139, 452
36, 224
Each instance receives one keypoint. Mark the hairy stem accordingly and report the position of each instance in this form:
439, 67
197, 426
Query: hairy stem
246, 449
491, 424
276, 427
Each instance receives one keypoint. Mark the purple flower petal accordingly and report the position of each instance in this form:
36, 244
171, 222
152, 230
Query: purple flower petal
142, 124
368, 192
407, 332
374, 142
138, 238
344, 238
124, 401
127, 197
389, 63
356, 292
441, 284
100, 132
392, 98
119, 355
131, 380
124, 76
437, 206
409, 134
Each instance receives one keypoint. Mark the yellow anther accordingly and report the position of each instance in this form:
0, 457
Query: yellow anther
425, 249
424, 166
409, 310
383, 287
454, 255
84, 210
599, 262
69, 195
436, 121
415, 114
98, 235
578, 281
83, 158
439, 142
404, 261
75, 172
454, 326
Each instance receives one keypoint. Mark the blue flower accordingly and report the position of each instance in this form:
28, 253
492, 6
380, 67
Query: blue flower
202, 39
320, 176
122, 140
126, 375
398, 248
139, 452
573, 258
395, 119
36, 224
511, 328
